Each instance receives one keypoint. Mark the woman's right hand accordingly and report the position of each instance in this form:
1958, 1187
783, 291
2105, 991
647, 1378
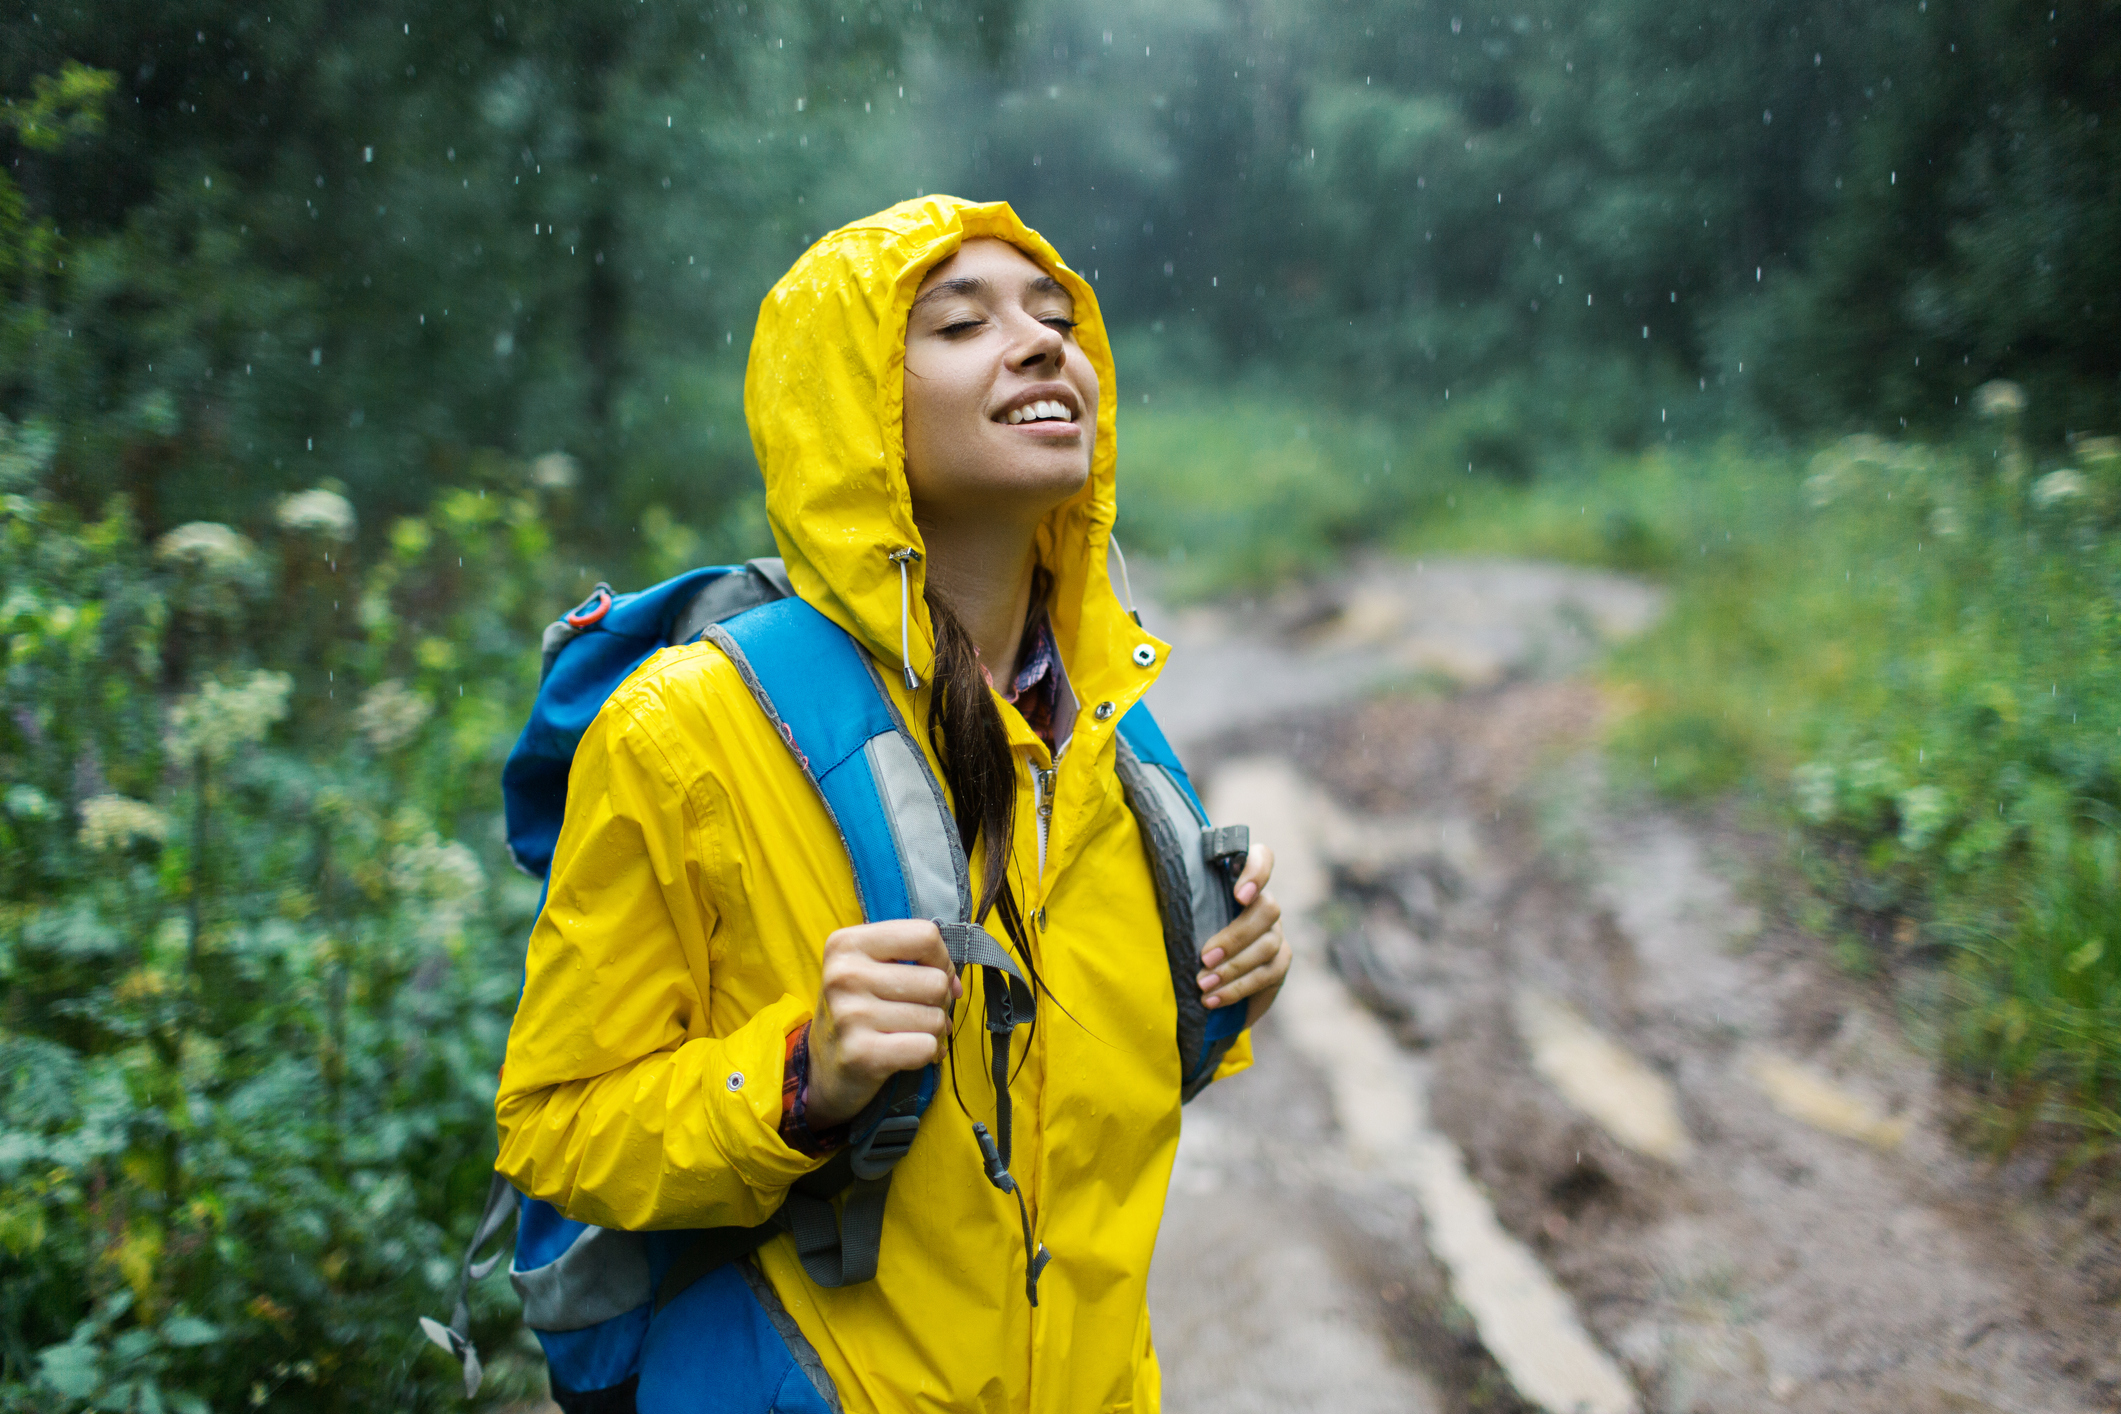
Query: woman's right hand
875, 1015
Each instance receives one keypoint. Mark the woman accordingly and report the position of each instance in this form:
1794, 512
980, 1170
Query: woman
935, 379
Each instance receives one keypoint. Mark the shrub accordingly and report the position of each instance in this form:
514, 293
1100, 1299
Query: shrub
258, 942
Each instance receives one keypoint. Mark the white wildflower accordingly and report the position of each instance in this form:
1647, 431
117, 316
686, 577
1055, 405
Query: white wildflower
435, 868
319, 512
555, 471
1999, 397
2059, 487
220, 717
390, 713
444, 876
116, 822
207, 545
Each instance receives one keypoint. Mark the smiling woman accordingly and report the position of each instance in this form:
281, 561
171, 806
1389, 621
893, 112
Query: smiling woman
926, 395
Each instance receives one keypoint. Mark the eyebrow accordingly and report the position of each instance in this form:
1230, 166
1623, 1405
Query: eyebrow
973, 287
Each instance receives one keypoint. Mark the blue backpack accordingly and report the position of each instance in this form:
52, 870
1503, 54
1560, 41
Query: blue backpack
656, 1321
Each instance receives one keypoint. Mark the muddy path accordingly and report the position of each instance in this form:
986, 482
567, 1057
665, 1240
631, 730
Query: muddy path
1726, 1158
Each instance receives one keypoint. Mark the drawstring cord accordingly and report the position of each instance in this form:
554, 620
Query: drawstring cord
903, 558
1126, 586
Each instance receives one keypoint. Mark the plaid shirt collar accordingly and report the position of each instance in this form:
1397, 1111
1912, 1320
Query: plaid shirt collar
1035, 691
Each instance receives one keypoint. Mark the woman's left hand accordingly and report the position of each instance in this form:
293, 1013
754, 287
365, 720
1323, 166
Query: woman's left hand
1248, 960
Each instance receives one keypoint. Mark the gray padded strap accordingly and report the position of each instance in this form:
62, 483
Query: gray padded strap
601, 1275
758, 582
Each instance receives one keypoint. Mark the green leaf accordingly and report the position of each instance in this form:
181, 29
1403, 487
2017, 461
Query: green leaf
74, 1370
187, 1331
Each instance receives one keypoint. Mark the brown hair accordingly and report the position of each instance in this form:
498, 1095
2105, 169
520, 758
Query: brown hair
969, 739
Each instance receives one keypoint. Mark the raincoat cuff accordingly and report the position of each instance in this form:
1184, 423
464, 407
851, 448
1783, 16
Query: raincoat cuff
1237, 1059
743, 1100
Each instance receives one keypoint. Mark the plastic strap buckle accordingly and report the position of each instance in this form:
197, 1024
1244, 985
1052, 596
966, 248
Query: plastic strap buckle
1226, 845
874, 1155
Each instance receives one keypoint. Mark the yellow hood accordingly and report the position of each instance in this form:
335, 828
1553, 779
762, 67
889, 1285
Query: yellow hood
824, 396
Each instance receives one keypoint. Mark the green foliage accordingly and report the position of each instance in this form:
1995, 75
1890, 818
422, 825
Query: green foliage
1913, 650
258, 940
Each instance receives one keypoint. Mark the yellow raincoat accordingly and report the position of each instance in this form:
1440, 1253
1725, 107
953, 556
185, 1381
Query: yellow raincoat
698, 875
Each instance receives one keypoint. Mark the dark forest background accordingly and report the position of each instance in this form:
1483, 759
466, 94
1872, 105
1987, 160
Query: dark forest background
305, 242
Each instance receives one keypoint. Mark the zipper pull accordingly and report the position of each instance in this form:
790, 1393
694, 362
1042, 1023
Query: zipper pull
1045, 780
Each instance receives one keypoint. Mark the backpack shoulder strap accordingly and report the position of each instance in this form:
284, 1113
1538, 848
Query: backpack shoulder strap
821, 693
1195, 866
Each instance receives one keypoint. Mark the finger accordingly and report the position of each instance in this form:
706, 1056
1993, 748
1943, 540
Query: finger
1256, 1005
900, 940
1264, 978
1259, 867
890, 1019
897, 982
1260, 915
877, 1055
1252, 956
896, 940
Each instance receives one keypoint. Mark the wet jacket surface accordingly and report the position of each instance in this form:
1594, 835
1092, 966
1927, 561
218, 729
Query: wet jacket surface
698, 876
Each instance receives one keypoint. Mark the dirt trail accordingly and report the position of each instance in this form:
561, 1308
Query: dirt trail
1723, 1148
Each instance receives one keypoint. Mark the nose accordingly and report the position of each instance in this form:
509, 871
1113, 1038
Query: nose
1038, 344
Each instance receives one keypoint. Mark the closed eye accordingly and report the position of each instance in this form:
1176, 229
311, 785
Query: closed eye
962, 326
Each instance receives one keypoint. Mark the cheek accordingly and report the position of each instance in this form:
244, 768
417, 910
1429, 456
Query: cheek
1086, 382
927, 422
939, 401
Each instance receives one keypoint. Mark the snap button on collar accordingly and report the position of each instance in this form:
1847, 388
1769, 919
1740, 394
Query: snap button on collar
1144, 654
1104, 710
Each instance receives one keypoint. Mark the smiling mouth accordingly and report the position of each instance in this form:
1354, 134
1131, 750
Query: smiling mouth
1045, 410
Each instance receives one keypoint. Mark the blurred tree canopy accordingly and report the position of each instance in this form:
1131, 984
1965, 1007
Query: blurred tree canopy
291, 241
308, 240
1873, 208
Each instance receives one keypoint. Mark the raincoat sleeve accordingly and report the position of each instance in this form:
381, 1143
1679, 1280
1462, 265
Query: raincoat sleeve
615, 1105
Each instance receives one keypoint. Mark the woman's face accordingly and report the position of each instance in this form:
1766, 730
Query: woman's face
1001, 403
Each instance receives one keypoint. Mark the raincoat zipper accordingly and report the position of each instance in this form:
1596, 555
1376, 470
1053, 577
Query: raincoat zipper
1042, 797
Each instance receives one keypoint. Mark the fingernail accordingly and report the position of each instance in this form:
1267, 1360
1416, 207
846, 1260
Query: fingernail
1214, 956
1211, 980
1212, 1002
1246, 892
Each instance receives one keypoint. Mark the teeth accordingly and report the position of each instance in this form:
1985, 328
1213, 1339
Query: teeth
1040, 411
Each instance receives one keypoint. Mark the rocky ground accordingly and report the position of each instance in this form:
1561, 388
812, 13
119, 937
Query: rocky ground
1707, 1155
